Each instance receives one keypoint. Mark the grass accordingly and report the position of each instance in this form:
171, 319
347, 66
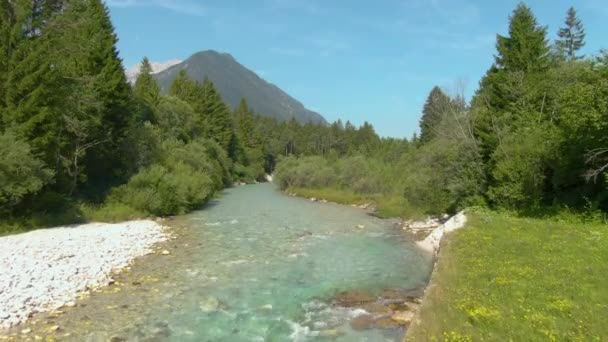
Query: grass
507, 278
74, 214
387, 206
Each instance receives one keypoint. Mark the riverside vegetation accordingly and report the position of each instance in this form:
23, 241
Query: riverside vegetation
532, 147
78, 143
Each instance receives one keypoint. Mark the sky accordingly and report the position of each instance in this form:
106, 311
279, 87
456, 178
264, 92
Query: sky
356, 60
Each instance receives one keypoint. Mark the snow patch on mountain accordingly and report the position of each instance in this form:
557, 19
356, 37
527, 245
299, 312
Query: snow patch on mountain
157, 67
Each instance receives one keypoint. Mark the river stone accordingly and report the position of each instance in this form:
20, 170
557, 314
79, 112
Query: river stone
376, 308
210, 304
402, 294
362, 322
386, 323
403, 317
353, 298
332, 333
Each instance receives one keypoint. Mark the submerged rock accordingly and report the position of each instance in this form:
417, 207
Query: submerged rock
377, 309
331, 333
403, 317
362, 322
353, 298
211, 304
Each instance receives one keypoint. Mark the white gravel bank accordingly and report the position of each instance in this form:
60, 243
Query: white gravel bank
45, 269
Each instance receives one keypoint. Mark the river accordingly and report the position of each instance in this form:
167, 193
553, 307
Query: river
254, 265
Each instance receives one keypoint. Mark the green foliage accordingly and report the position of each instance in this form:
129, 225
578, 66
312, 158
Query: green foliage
175, 118
437, 105
525, 49
571, 37
146, 87
310, 172
243, 122
508, 278
183, 88
21, 173
162, 191
521, 161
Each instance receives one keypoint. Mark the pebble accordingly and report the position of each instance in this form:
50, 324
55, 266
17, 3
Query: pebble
49, 268
403, 317
26, 331
165, 252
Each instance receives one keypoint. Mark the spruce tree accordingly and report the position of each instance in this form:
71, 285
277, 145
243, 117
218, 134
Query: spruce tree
243, 119
32, 83
146, 88
100, 111
216, 116
184, 89
572, 36
435, 108
7, 19
525, 48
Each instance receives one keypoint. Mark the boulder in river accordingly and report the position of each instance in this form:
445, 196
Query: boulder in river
353, 298
211, 304
362, 322
403, 317
377, 309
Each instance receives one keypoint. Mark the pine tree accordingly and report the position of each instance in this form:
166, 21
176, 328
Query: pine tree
216, 115
525, 48
184, 89
435, 108
100, 109
146, 88
32, 86
243, 119
7, 20
572, 37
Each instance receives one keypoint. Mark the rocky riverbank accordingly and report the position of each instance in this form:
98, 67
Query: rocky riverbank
47, 269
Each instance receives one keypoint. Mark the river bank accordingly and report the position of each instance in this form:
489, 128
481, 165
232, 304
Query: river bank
47, 269
256, 265
427, 233
520, 279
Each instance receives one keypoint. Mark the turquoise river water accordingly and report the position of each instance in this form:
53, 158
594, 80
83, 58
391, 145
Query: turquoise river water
254, 265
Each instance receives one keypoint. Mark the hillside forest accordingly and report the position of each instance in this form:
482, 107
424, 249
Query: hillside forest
532, 140
79, 143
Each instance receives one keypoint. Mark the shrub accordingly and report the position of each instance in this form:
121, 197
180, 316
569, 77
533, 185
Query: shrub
160, 191
310, 172
21, 173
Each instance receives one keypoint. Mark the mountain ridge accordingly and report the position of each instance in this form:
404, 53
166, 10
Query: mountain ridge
235, 82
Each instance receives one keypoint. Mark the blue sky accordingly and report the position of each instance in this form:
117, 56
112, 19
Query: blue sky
356, 60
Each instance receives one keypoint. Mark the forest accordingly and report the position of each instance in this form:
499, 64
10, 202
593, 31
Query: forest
80, 143
533, 139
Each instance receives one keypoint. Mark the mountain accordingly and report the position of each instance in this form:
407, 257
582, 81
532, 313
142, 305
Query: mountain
234, 82
156, 68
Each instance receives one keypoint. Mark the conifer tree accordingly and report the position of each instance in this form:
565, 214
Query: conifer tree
32, 86
184, 89
572, 36
216, 115
6, 27
243, 119
100, 109
435, 108
146, 88
525, 48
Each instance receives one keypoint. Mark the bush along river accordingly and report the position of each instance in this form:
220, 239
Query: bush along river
257, 265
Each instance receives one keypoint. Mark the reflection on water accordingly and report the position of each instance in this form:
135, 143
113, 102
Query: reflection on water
254, 266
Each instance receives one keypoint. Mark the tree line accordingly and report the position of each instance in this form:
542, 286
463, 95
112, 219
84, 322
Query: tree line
533, 137
78, 142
